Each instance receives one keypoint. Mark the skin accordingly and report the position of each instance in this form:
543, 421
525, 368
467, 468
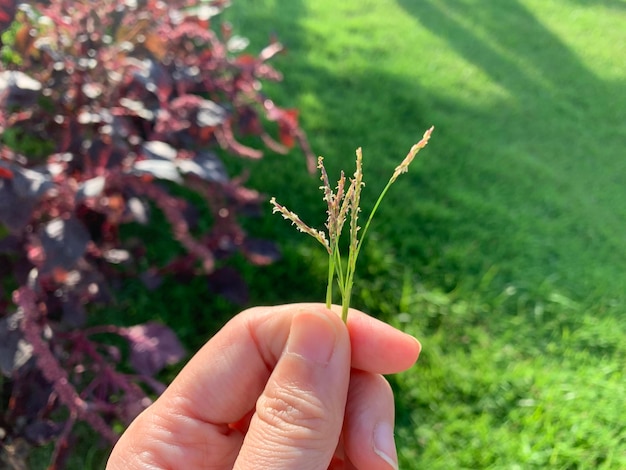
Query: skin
286, 387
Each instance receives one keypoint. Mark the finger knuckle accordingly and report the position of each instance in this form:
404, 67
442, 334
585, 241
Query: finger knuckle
293, 412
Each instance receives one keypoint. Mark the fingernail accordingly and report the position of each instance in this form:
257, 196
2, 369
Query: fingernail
385, 445
312, 337
419, 345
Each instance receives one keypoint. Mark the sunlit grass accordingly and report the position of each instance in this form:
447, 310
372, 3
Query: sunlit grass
522, 175
503, 250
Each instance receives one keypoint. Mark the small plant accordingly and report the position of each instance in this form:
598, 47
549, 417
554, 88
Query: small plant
341, 204
109, 111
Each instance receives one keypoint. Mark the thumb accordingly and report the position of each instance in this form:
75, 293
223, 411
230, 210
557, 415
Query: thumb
299, 416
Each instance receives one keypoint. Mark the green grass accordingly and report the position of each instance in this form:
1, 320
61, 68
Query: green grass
503, 249
522, 170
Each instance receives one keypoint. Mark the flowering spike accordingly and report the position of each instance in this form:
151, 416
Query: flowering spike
339, 204
300, 225
347, 201
404, 166
328, 192
342, 203
355, 200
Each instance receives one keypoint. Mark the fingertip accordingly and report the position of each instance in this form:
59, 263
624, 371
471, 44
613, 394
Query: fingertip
384, 444
369, 423
379, 347
417, 347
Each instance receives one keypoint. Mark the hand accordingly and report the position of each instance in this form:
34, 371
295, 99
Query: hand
287, 387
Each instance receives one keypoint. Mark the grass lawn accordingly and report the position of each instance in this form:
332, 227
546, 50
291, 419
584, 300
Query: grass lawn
503, 248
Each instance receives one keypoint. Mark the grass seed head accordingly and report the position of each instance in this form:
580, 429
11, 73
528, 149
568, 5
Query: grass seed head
300, 225
355, 199
339, 204
328, 191
404, 166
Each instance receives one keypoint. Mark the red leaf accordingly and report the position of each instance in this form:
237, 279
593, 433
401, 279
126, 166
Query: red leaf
286, 135
246, 60
6, 173
7, 13
287, 122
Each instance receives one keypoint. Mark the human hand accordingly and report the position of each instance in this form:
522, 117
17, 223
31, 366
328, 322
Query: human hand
287, 387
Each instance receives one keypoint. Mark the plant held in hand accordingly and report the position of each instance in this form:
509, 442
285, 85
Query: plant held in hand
343, 203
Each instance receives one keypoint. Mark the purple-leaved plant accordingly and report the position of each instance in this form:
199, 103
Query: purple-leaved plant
104, 107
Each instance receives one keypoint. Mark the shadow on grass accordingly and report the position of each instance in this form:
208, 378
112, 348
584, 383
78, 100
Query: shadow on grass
500, 179
522, 67
524, 186
563, 124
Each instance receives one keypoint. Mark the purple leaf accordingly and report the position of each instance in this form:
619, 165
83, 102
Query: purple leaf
31, 183
205, 165
260, 252
18, 195
210, 114
42, 432
154, 77
137, 108
91, 188
14, 350
9, 244
138, 209
161, 169
228, 283
116, 256
64, 243
152, 347
18, 89
151, 278
248, 200
155, 149
74, 313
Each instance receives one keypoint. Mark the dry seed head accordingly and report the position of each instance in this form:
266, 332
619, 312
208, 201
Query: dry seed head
404, 166
340, 188
355, 199
358, 173
341, 185
328, 192
335, 221
345, 206
332, 201
300, 225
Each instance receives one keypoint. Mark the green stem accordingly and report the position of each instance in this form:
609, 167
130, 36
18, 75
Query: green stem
352, 257
347, 284
371, 216
339, 270
345, 303
331, 276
